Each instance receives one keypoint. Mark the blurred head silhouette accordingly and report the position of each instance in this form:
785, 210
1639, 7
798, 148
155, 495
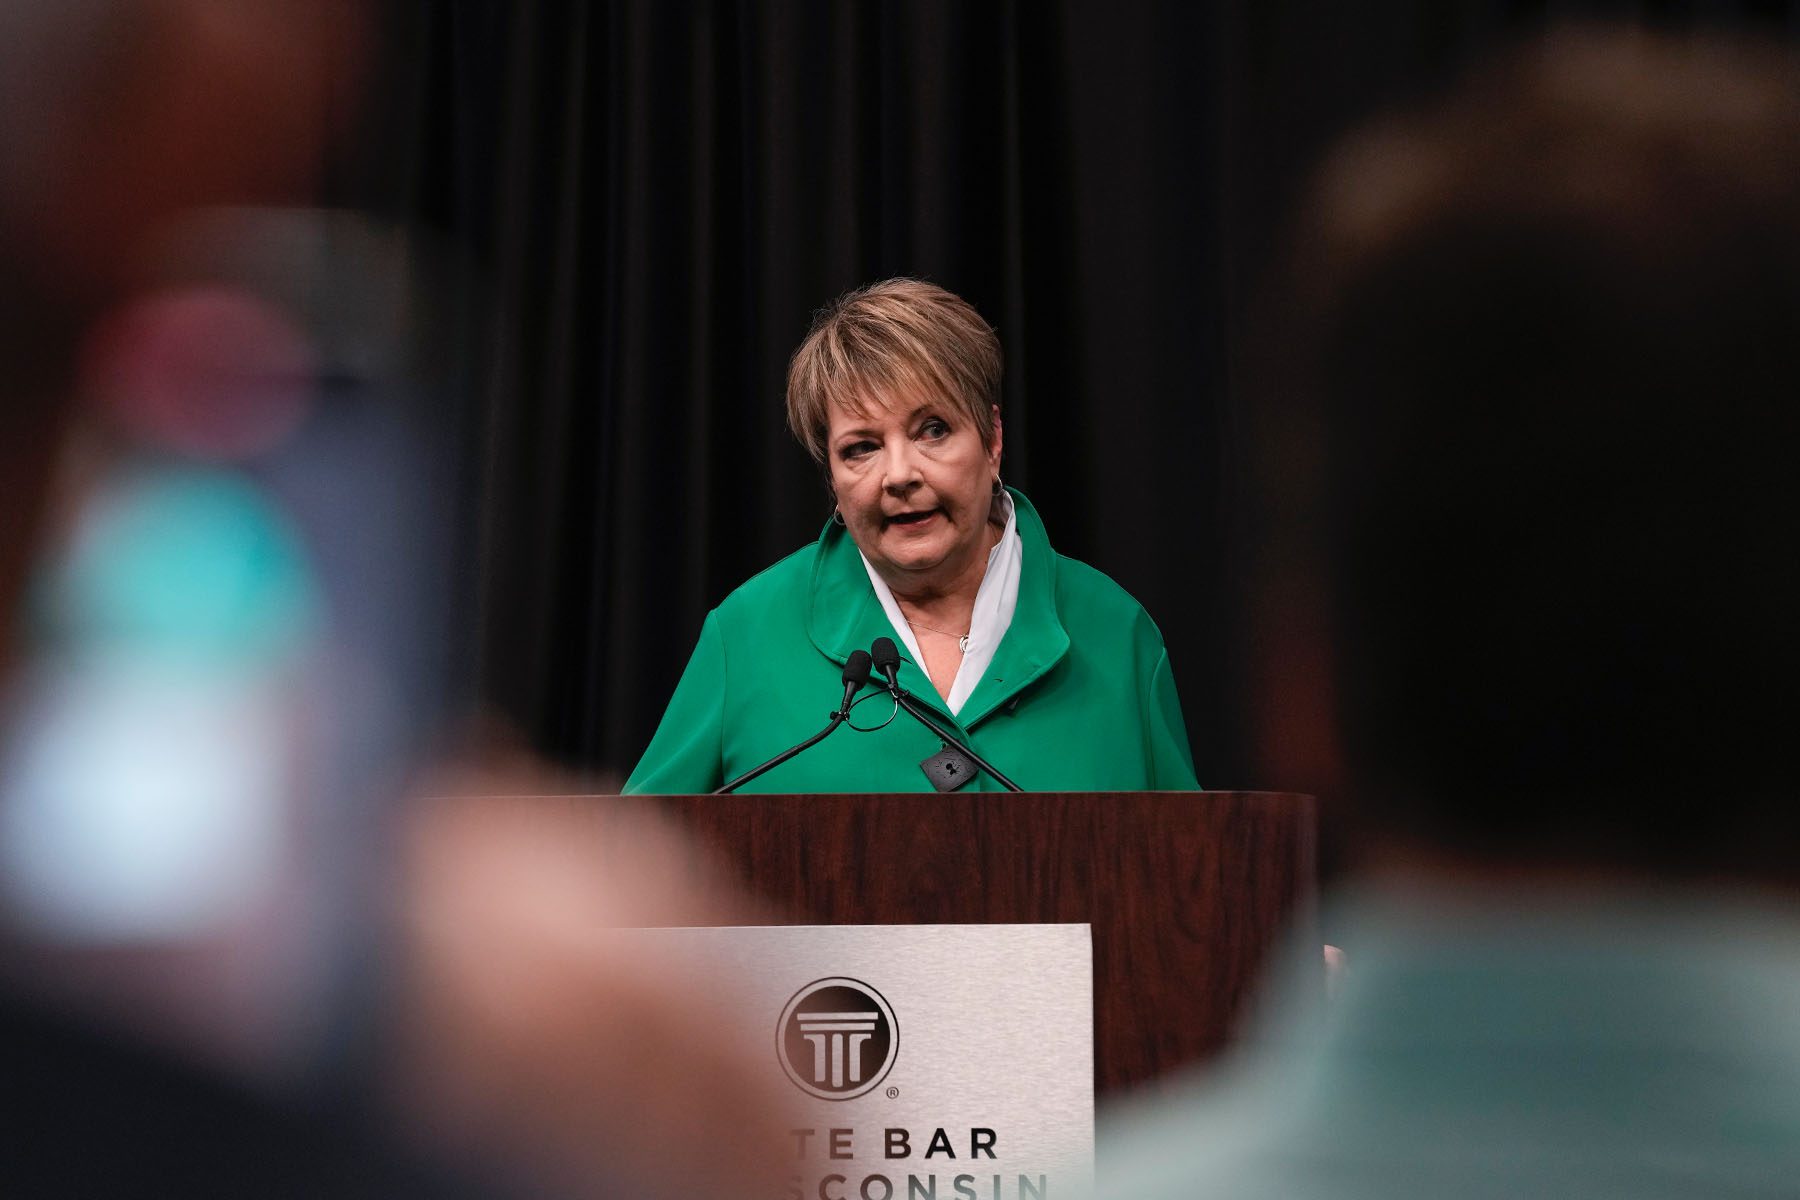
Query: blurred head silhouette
1542, 467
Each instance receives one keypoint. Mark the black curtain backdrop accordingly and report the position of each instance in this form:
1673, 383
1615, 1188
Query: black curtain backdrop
637, 205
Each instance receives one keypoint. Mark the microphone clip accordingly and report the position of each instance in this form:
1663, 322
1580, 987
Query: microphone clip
886, 658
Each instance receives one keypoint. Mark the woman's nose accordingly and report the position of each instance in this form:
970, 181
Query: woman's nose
901, 469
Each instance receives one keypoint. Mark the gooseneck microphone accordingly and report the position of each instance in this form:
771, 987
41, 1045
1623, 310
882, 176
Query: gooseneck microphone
886, 657
856, 673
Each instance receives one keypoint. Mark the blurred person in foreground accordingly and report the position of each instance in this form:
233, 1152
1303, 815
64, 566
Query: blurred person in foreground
1041, 663
1544, 461
525, 1050
119, 119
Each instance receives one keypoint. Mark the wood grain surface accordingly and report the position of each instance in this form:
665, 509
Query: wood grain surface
1187, 892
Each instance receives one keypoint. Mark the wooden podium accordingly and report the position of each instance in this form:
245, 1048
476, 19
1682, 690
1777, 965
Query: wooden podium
1187, 892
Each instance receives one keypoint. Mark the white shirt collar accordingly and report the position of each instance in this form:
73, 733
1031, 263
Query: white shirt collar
995, 601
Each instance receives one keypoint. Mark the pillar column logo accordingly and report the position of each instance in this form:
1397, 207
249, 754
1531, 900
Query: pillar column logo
837, 1038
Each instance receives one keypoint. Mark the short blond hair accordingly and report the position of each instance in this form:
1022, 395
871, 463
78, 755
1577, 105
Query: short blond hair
890, 335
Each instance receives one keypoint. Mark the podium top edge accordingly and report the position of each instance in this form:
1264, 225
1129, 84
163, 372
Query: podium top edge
954, 797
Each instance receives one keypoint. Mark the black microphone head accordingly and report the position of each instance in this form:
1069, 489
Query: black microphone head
886, 657
884, 653
856, 668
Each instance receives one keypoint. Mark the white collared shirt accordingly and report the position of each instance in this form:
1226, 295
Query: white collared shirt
995, 601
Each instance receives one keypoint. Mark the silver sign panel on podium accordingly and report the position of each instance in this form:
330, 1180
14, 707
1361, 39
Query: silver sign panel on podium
929, 1062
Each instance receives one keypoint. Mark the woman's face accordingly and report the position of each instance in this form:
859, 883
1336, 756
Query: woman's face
915, 485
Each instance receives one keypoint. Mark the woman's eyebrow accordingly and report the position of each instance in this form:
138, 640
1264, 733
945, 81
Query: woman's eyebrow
923, 407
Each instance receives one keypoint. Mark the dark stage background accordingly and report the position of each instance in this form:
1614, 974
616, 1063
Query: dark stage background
634, 207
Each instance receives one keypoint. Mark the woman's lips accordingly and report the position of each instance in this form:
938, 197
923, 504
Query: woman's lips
912, 520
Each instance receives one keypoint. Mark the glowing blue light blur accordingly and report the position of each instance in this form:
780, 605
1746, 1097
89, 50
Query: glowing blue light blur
145, 787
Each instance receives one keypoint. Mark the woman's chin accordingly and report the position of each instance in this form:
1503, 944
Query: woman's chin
916, 564
911, 560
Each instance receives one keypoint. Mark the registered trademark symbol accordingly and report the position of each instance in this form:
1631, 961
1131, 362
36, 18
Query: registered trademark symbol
892, 1093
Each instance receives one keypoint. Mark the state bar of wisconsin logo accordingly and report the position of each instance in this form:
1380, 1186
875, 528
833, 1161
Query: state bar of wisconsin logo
837, 1038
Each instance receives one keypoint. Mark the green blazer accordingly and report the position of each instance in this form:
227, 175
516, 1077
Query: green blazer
1079, 696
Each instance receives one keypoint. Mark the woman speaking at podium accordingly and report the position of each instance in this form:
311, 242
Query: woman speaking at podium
1043, 666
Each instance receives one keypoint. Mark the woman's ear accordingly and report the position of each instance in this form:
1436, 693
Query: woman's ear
994, 448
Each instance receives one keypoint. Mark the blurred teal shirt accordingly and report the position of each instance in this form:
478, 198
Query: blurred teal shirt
1576, 1045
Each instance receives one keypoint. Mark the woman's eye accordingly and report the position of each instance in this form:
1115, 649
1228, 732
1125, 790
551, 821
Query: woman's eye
935, 427
856, 450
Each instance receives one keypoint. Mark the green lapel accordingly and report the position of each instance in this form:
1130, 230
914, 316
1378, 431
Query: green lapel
1036, 640
845, 616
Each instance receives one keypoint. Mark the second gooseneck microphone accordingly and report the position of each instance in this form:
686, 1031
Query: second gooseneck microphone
856, 673
886, 658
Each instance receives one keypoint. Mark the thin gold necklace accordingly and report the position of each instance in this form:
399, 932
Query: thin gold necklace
962, 639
